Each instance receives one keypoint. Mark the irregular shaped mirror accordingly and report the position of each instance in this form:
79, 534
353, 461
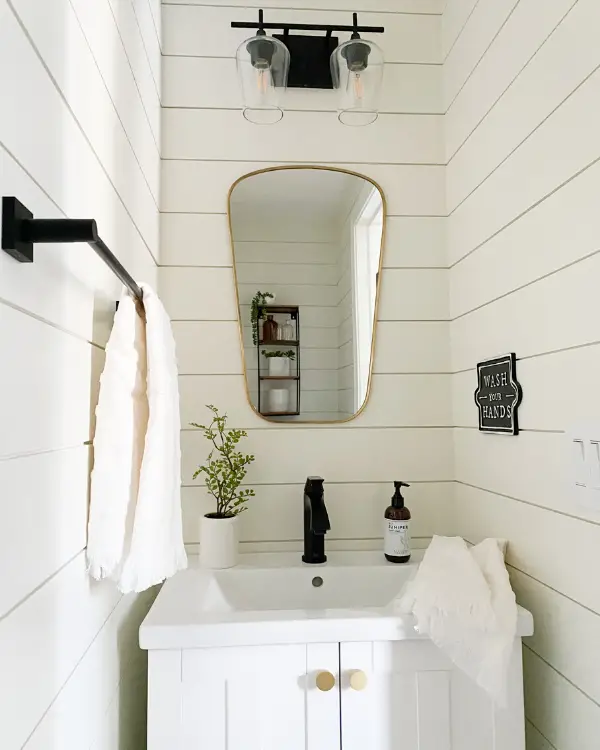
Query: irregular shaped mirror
307, 247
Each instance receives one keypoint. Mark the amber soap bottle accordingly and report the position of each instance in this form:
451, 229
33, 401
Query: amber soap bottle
396, 533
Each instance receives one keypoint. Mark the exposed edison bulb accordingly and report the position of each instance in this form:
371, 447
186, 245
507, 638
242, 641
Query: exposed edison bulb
262, 81
358, 88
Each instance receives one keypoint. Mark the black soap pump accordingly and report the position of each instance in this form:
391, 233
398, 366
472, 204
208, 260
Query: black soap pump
396, 534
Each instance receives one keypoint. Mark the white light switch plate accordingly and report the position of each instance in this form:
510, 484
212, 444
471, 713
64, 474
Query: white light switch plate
584, 450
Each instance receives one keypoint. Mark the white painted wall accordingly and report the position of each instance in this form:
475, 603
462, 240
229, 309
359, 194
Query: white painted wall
79, 135
404, 433
521, 89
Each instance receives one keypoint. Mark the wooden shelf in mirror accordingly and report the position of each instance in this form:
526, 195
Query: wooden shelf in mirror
280, 413
280, 342
279, 377
275, 309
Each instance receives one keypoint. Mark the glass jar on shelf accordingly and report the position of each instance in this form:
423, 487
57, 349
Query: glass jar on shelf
288, 330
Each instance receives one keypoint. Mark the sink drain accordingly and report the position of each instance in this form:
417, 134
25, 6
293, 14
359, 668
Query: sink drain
317, 581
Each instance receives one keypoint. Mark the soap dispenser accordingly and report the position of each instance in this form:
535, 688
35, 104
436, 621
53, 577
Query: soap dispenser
396, 535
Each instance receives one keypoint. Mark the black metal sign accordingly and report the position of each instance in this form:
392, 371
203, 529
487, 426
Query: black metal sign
498, 395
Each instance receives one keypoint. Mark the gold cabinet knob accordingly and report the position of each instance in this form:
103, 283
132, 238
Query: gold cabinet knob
325, 681
358, 680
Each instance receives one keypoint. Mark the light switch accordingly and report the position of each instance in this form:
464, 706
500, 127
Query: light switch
593, 463
578, 459
584, 449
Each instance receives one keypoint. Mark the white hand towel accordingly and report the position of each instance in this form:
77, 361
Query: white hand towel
462, 599
135, 530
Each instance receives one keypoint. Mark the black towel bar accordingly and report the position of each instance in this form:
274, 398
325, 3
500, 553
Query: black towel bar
20, 232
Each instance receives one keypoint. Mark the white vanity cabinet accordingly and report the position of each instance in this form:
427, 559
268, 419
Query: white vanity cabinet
396, 695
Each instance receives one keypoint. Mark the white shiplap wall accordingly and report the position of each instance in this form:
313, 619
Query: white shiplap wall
79, 135
404, 432
521, 89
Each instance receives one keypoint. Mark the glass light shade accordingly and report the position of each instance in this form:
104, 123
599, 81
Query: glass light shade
262, 66
357, 72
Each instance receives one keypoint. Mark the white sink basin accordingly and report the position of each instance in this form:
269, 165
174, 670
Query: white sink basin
306, 588
270, 599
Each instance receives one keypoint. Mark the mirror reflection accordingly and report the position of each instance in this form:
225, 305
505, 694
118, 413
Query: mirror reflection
307, 245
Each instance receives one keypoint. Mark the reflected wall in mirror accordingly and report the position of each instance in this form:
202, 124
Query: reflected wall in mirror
307, 246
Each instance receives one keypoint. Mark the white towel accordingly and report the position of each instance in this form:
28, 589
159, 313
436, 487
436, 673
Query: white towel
135, 531
462, 599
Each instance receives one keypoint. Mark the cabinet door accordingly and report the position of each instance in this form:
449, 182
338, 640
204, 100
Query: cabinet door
259, 698
404, 703
413, 698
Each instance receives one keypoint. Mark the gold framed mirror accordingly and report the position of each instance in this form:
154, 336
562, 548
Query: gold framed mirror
307, 245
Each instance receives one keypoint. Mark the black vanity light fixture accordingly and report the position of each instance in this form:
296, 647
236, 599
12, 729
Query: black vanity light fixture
267, 65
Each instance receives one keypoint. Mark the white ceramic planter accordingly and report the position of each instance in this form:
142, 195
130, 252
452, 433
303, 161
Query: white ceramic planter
279, 399
279, 366
218, 542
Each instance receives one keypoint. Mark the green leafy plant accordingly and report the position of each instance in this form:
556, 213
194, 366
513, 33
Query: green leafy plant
290, 354
260, 298
225, 467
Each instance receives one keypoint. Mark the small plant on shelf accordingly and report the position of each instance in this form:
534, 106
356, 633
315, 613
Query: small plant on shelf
225, 467
259, 299
289, 354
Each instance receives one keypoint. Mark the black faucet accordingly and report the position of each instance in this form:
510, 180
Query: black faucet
316, 521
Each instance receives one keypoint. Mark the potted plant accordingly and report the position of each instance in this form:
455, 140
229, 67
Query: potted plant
260, 298
279, 362
224, 470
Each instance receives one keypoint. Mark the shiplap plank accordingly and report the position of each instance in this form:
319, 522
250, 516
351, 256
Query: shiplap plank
214, 347
198, 293
58, 169
132, 169
355, 511
208, 347
414, 241
43, 640
535, 534
140, 51
377, 454
558, 311
126, 71
195, 186
565, 632
534, 739
560, 231
434, 7
47, 384
412, 347
543, 379
414, 294
152, 53
80, 712
505, 194
195, 240
273, 272
408, 400
44, 499
480, 28
569, 719
455, 16
407, 38
304, 295
551, 76
319, 253
203, 240
228, 136
210, 82
535, 469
